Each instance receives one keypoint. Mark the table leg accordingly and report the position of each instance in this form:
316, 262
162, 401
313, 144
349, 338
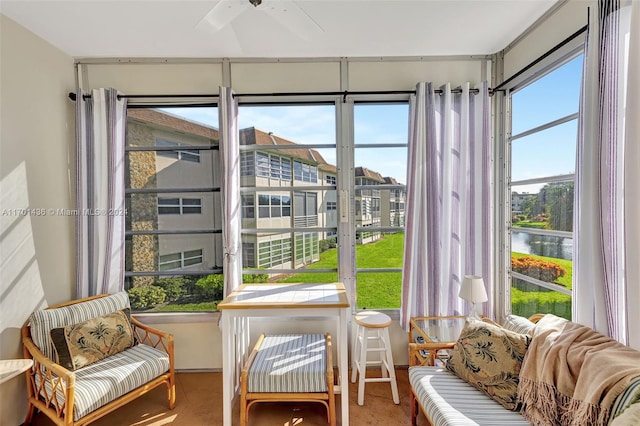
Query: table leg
228, 368
343, 365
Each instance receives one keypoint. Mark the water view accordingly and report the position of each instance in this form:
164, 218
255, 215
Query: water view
542, 245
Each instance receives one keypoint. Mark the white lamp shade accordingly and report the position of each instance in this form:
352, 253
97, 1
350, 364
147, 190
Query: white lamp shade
472, 289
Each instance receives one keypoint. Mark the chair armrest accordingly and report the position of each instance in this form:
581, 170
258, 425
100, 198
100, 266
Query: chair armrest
46, 378
40, 360
152, 336
416, 358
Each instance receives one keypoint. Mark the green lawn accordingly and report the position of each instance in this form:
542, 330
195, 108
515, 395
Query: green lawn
529, 224
375, 290
530, 299
383, 289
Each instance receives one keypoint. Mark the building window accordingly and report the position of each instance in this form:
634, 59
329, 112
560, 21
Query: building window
271, 205
179, 206
274, 253
185, 155
180, 260
304, 172
331, 206
330, 180
247, 164
248, 206
248, 254
541, 184
267, 165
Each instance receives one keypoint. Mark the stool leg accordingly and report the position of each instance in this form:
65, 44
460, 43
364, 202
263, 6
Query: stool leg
384, 367
363, 365
391, 366
355, 354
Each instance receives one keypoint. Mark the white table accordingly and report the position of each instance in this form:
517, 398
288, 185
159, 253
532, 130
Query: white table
282, 301
10, 368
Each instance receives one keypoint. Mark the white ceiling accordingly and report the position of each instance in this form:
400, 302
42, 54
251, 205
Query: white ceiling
277, 28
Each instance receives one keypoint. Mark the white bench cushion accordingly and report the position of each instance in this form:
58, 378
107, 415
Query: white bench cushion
449, 401
291, 363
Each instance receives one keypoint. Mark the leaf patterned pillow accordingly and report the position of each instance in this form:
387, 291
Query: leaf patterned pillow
84, 343
489, 358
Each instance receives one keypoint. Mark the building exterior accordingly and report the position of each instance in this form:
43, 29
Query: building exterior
518, 201
176, 210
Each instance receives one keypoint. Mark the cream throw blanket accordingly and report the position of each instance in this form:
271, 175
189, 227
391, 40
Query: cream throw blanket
571, 375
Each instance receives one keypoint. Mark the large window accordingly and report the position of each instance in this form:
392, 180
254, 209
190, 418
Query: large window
173, 225
295, 226
542, 145
303, 246
286, 154
380, 159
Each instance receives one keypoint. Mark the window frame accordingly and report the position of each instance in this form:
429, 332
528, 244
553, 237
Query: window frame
180, 205
502, 161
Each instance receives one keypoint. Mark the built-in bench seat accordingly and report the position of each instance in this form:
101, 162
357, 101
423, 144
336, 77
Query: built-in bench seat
448, 400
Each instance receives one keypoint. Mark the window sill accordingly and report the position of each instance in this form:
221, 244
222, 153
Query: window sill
176, 317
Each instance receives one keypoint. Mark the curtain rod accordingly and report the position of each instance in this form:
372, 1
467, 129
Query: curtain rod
344, 94
499, 87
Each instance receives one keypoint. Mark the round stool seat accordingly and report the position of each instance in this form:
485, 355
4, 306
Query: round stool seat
372, 319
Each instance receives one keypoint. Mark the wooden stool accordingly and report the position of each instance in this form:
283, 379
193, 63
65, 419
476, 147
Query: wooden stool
373, 326
289, 367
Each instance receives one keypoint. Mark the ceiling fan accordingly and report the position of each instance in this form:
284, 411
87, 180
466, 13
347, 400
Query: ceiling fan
287, 12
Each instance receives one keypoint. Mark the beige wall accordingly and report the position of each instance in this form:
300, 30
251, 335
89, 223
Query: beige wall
36, 165
564, 22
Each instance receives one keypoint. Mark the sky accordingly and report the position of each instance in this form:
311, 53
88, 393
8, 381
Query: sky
550, 152
316, 124
547, 153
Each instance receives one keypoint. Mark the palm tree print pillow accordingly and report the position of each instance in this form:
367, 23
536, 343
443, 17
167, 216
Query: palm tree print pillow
81, 344
489, 358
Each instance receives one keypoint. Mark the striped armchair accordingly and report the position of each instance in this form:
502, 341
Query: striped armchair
74, 389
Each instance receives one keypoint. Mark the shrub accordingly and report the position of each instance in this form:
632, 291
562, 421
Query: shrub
255, 278
211, 286
327, 244
146, 296
174, 287
537, 268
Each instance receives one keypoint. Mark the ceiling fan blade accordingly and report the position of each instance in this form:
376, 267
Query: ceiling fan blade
293, 17
223, 13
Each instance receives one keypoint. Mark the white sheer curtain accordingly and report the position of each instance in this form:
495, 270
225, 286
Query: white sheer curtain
447, 232
607, 272
231, 213
100, 138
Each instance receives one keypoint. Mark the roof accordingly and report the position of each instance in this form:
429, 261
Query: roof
251, 136
172, 122
370, 174
248, 136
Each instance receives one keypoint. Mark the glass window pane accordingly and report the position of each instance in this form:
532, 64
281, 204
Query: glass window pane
549, 98
379, 290
543, 206
528, 299
169, 246
538, 208
550, 152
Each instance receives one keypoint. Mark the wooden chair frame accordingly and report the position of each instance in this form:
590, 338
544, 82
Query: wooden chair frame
58, 377
247, 399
